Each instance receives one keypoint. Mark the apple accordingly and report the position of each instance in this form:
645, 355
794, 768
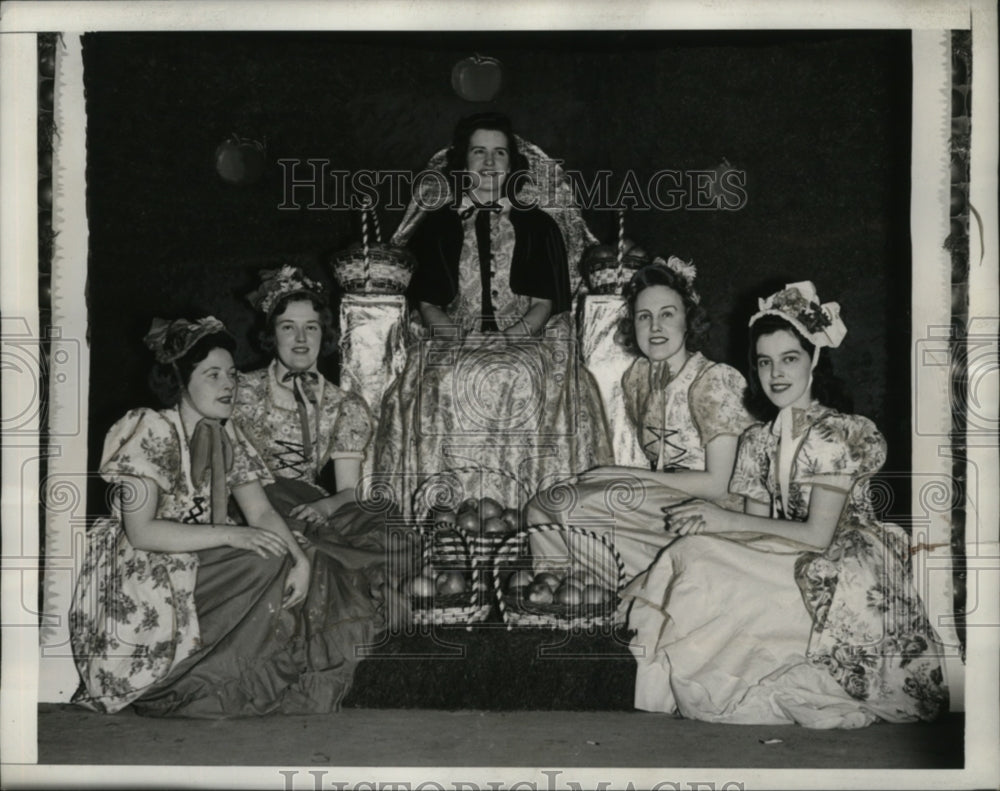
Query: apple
47, 62
488, 508
540, 593
240, 160
958, 200
518, 581
46, 94
421, 587
573, 581
444, 517
448, 582
468, 522
45, 192
595, 594
569, 593
602, 258
547, 578
477, 78
495, 526
512, 518
585, 577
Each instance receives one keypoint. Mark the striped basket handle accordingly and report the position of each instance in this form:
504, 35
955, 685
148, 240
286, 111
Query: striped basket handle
421, 493
428, 553
367, 209
514, 542
621, 246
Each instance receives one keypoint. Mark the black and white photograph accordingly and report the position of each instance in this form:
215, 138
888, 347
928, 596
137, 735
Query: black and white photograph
464, 396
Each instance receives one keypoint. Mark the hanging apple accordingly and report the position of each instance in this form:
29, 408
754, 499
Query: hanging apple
45, 193
46, 94
47, 62
240, 160
477, 78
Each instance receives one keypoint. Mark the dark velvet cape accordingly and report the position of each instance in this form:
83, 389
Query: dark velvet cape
538, 265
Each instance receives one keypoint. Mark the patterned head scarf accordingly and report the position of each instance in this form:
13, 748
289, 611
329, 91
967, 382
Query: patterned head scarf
171, 340
276, 284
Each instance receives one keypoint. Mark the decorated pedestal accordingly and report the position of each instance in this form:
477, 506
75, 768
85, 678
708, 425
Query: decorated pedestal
372, 348
607, 361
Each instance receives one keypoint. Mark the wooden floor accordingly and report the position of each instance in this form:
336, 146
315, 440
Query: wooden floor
436, 738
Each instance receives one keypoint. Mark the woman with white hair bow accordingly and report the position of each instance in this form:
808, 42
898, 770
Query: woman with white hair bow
800, 608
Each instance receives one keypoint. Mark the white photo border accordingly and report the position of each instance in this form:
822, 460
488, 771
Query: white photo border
930, 22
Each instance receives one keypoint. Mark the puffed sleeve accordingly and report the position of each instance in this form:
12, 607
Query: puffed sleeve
839, 450
142, 444
752, 462
716, 399
352, 428
247, 464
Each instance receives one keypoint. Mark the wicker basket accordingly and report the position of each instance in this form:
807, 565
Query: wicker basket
514, 554
458, 609
373, 267
446, 491
609, 273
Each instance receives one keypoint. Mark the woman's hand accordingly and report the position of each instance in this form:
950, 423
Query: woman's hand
315, 512
690, 517
296, 583
256, 539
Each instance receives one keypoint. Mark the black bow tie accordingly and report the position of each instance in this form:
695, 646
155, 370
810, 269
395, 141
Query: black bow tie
468, 211
290, 376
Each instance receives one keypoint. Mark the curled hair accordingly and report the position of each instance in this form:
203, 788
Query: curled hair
169, 380
457, 156
695, 315
826, 388
265, 336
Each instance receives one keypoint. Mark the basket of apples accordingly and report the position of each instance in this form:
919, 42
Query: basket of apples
447, 590
469, 509
582, 594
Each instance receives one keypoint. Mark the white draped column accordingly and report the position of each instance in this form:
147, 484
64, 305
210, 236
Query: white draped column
373, 336
607, 361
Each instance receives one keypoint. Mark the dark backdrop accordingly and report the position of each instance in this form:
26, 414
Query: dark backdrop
820, 123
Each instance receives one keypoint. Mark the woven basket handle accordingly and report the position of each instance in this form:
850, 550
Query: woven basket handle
366, 207
470, 558
621, 246
514, 542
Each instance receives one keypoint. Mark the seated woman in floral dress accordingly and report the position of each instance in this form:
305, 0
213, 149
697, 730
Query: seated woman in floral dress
687, 412
300, 422
495, 379
802, 607
177, 610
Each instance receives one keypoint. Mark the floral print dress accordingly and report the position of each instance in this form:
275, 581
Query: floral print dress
133, 616
674, 418
527, 407
341, 428
267, 412
753, 628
